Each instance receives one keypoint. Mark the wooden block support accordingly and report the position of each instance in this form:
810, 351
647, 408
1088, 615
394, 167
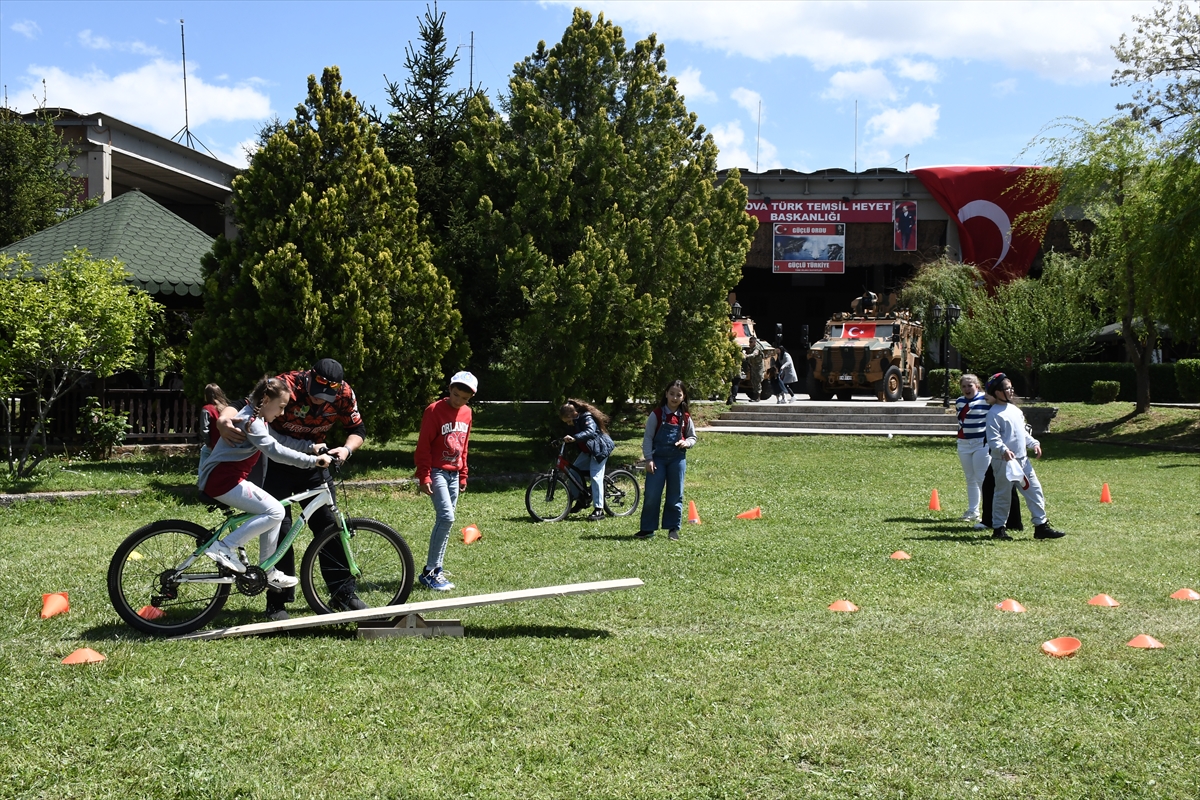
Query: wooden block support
445, 604
409, 625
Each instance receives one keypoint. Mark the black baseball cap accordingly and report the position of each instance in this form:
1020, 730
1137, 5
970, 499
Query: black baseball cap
330, 375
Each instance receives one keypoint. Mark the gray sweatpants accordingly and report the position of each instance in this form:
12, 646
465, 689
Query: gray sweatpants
1030, 488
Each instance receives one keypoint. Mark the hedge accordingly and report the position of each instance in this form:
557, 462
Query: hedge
935, 382
1072, 383
1105, 391
1187, 378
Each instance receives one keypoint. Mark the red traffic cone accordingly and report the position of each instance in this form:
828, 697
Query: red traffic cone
1011, 605
1145, 642
693, 514
1105, 495
54, 604
754, 513
1185, 594
843, 605
84, 655
1061, 647
934, 503
151, 612
1103, 600
471, 534
900, 555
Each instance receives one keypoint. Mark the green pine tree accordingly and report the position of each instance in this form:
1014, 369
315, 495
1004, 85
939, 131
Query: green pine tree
329, 261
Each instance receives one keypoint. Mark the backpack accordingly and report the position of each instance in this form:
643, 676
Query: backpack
683, 423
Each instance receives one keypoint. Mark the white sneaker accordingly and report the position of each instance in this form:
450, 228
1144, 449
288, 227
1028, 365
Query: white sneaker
220, 553
277, 580
979, 526
969, 517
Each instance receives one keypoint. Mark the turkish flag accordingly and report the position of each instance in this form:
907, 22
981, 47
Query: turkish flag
986, 203
860, 330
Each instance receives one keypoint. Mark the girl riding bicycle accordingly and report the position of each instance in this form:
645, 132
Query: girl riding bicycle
223, 477
595, 446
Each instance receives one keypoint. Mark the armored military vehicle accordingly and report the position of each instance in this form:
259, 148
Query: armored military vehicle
743, 330
874, 348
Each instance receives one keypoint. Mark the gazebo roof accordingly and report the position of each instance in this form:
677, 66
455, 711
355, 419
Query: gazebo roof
160, 249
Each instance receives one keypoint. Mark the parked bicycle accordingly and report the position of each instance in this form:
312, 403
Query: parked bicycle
548, 499
161, 582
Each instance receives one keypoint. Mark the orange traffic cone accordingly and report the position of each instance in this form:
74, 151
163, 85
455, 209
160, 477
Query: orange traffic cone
151, 612
754, 513
1145, 642
693, 514
934, 503
1103, 600
471, 534
1185, 594
900, 555
84, 655
843, 605
1061, 647
1011, 605
1105, 495
54, 604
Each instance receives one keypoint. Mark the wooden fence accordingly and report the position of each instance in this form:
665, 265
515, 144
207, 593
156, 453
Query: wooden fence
156, 415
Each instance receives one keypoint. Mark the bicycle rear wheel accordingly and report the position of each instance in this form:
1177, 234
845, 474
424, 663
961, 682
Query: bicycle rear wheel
621, 493
146, 591
382, 556
547, 498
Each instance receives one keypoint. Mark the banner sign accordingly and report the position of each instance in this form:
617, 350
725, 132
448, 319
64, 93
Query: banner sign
809, 249
820, 210
905, 226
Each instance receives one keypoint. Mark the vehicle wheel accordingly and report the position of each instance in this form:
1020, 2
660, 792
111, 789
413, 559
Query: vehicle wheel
621, 493
547, 499
844, 395
892, 384
908, 393
815, 390
141, 579
384, 562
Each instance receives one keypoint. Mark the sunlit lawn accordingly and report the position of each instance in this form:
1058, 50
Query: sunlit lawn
724, 676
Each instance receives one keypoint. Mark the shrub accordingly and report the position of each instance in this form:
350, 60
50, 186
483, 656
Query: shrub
1071, 383
105, 428
935, 382
1105, 391
1187, 379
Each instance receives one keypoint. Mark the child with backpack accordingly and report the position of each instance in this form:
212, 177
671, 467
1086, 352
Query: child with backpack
590, 426
223, 477
669, 434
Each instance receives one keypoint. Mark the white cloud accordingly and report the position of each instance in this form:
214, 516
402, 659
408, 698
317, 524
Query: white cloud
917, 70
867, 84
27, 28
1064, 41
735, 152
239, 156
904, 126
691, 88
748, 99
150, 96
91, 42
1004, 87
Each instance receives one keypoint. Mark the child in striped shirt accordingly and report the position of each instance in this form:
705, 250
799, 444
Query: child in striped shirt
972, 409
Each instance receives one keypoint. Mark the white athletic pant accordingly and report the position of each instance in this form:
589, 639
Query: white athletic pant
973, 455
253, 500
1030, 488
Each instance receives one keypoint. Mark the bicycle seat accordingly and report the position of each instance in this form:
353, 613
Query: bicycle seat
213, 503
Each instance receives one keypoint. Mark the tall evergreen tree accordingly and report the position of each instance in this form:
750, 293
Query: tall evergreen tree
600, 199
329, 261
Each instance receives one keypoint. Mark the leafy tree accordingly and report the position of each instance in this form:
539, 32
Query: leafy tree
328, 262
1162, 61
942, 281
75, 316
1028, 323
599, 197
36, 191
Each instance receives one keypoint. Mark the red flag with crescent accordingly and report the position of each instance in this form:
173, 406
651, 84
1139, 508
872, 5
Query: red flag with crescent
987, 203
860, 330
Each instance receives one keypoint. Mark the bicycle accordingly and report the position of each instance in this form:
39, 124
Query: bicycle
160, 581
548, 499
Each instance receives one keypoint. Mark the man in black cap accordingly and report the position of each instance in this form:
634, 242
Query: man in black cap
320, 398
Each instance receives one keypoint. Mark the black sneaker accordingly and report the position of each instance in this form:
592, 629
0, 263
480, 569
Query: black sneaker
277, 614
348, 602
673, 534
1002, 535
596, 515
1044, 531
644, 535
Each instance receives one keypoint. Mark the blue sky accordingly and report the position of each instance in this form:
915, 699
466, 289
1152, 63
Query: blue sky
944, 83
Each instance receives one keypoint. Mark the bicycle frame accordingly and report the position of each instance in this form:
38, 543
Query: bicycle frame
323, 497
564, 467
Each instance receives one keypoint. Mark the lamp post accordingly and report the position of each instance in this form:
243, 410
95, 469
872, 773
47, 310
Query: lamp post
952, 314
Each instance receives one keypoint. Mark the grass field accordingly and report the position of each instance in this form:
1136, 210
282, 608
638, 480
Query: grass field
725, 676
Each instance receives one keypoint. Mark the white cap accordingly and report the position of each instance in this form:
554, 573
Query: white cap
466, 379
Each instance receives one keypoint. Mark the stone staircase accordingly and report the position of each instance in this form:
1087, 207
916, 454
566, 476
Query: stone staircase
860, 416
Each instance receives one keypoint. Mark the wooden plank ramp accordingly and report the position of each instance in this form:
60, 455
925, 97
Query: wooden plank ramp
405, 609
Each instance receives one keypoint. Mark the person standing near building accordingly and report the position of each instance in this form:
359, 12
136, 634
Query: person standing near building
785, 376
755, 365
320, 398
441, 458
972, 409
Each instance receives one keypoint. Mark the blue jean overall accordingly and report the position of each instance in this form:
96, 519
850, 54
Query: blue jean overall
670, 464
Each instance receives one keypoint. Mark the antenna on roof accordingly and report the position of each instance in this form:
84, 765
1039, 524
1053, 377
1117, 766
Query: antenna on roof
758, 137
184, 135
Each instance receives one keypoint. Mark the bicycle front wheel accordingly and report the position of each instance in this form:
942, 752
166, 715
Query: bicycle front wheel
383, 558
147, 591
621, 493
547, 498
